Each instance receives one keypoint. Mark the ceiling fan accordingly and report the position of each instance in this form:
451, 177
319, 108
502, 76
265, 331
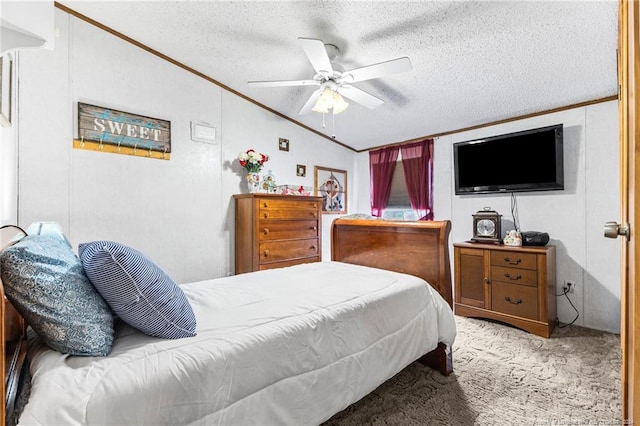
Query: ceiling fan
335, 84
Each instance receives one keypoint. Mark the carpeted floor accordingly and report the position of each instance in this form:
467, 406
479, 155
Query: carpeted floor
504, 376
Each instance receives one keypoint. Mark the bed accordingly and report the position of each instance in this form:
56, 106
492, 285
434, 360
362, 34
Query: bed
292, 345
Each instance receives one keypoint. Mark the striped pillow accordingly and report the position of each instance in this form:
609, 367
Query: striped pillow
137, 290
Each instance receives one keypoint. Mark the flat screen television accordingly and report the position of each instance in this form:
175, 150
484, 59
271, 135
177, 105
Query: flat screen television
531, 160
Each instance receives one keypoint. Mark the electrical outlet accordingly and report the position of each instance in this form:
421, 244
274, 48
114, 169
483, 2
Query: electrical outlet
569, 286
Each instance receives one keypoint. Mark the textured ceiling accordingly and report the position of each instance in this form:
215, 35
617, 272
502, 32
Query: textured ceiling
473, 62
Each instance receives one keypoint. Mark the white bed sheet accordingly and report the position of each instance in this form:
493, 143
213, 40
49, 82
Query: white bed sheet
285, 346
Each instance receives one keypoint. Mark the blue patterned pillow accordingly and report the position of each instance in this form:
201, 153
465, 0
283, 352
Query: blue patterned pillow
137, 290
45, 282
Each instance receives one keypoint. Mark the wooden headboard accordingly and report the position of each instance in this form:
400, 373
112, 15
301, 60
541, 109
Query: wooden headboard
418, 248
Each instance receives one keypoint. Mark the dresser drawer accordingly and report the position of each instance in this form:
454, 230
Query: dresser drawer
513, 259
274, 265
288, 213
514, 275
288, 208
287, 229
513, 299
275, 251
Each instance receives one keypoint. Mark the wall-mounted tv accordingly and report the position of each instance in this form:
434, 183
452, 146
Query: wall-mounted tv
531, 160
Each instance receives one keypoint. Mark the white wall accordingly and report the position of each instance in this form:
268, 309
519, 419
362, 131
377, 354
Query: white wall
177, 212
574, 218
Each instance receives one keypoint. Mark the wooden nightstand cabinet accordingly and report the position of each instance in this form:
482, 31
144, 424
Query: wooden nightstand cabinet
273, 231
515, 285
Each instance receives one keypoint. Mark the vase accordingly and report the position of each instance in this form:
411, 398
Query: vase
253, 181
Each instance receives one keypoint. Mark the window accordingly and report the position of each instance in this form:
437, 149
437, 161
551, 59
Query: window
399, 205
418, 165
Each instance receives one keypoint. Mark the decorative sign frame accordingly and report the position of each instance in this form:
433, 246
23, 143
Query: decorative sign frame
301, 170
122, 132
332, 185
6, 89
283, 144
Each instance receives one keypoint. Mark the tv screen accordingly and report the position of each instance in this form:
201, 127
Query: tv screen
531, 160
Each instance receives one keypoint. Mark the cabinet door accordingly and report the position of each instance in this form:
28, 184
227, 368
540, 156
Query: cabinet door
472, 277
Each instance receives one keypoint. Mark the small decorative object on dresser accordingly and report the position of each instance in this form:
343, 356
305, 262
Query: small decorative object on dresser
269, 183
513, 238
252, 161
515, 285
273, 231
486, 226
253, 182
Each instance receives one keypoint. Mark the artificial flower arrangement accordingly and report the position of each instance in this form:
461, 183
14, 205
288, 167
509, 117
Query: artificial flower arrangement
252, 160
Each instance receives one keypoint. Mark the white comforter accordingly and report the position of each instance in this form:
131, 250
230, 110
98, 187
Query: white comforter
286, 346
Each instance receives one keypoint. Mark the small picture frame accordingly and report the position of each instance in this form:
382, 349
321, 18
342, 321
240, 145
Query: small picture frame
283, 144
331, 184
6, 89
301, 170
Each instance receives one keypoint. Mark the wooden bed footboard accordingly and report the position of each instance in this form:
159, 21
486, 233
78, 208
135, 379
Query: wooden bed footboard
417, 248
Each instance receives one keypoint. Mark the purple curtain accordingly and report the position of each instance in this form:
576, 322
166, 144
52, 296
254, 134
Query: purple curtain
382, 163
417, 160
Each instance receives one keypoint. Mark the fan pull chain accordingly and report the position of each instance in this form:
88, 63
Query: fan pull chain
333, 117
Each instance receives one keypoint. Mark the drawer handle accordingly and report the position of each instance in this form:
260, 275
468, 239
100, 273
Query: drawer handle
486, 280
266, 253
314, 214
266, 231
265, 204
314, 228
266, 215
313, 248
512, 262
517, 277
515, 302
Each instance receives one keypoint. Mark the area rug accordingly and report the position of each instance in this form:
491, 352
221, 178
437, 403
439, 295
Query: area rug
504, 376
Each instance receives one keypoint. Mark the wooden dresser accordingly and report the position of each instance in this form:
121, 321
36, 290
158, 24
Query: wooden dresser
516, 285
273, 231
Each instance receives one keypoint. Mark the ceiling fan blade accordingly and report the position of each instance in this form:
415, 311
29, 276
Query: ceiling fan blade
381, 69
306, 108
360, 96
317, 54
283, 83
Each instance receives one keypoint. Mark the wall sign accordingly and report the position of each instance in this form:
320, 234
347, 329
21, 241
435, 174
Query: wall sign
123, 130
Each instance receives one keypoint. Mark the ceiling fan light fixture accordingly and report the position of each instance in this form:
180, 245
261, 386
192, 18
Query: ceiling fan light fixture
339, 104
324, 102
320, 108
330, 100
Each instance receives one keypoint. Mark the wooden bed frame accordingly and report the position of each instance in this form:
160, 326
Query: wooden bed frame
416, 248
13, 335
